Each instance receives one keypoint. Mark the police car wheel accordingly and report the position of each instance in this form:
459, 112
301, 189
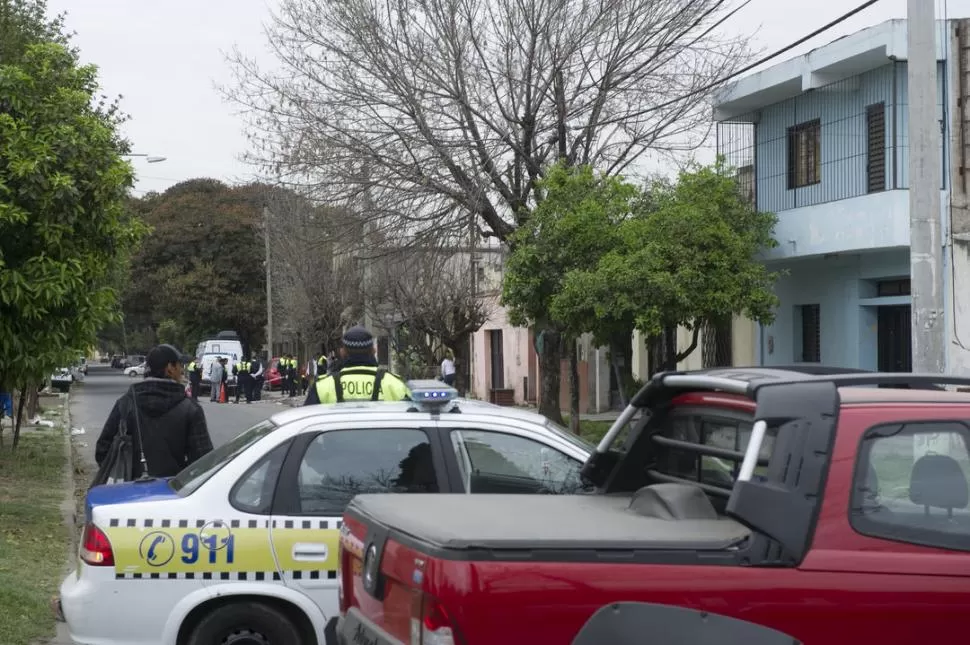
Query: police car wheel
245, 623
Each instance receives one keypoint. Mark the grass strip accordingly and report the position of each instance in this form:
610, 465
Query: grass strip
31, 535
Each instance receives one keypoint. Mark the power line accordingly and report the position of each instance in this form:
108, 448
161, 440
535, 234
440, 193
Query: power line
748, 68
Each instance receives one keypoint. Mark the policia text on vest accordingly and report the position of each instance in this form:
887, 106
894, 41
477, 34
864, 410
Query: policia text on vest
359, 383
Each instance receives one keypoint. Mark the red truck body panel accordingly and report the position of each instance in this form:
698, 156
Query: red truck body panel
849, 588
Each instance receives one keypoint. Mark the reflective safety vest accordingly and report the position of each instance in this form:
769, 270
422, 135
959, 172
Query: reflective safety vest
243, 367
191, 366
361, 383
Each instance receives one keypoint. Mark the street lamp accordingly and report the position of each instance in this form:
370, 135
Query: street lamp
148, 158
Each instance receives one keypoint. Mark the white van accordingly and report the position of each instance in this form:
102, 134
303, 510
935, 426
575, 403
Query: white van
225, 344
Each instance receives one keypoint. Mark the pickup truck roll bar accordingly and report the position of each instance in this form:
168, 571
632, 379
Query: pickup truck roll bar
625, 416
702, 449
660, 385
752, 451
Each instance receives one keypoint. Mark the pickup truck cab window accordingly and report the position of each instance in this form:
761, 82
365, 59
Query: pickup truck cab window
495, 462
340, 464
911, 484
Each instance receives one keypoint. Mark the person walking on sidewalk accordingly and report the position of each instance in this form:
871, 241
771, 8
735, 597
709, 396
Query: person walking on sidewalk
164, 423
448, 369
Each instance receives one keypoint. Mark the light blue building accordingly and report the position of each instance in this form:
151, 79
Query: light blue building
821, 140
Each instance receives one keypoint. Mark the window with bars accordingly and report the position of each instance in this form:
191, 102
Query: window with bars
805, 154
810, 324
876, 148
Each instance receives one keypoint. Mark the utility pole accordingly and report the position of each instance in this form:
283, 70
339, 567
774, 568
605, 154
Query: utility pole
269, 287
926, 244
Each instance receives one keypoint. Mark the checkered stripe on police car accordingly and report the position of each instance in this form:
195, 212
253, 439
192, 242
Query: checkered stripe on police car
204, 575
154, 523
258, 576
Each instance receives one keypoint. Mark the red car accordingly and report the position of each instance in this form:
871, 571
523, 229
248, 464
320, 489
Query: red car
274, 380
735, 505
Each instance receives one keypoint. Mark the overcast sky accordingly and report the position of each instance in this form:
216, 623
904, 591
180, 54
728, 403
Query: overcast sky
167, 58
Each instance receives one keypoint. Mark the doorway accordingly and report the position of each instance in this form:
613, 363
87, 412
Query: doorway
498, 359
894, 341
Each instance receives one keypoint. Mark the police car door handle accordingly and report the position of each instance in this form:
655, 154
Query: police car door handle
310, 551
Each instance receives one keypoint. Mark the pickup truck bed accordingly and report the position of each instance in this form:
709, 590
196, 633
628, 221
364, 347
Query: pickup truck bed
474, 526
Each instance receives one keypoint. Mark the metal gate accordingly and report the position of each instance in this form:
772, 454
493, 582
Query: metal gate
716, 342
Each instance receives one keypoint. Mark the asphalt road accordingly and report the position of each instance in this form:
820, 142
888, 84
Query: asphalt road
91, 402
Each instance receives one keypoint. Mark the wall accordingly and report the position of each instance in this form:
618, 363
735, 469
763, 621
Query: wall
840, 286
879, 220
841, 108
957, 223
516, 355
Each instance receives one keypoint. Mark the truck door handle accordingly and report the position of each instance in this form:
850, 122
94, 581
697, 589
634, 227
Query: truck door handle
313, 552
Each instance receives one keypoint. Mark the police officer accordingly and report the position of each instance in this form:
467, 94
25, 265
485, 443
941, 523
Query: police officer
284, 370
257, 378
244, 380
359, 377
195, 378
293, 369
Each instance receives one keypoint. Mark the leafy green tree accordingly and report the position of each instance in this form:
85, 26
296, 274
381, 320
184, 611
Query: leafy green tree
575, 223
24, 23
201, 269
688, 256
63, 227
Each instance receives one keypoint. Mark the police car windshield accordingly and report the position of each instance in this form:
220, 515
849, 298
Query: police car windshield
198, 473
562, 433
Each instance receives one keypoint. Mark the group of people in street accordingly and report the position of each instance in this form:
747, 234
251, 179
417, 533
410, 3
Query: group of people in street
249, 375
171, 430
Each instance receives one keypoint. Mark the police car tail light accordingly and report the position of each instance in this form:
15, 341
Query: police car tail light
96, 548
430, 623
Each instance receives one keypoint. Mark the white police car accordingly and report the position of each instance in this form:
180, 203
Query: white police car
241, 547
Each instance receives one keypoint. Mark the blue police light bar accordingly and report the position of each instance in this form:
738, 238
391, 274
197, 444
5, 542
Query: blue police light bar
431, 391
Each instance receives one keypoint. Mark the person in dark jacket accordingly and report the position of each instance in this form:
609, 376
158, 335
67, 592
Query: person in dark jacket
171, 424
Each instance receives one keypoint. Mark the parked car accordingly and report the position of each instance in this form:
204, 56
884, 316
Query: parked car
137, 370
817, 508
273, 380
245, 540
62, 379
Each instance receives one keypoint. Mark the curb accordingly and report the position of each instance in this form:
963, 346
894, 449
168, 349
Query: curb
69, 515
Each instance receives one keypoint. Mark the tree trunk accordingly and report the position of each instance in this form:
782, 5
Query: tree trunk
695, 337
462, 351
621, 353
33, 401
550, 370
22, 401
573, 387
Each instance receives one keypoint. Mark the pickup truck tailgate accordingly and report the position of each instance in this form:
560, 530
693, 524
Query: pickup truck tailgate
383, 590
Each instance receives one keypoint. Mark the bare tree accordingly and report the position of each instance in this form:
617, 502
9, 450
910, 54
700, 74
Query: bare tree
316, 282
440, 108
430, 292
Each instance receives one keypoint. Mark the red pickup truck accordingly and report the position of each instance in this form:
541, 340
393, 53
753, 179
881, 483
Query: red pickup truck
737, 505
